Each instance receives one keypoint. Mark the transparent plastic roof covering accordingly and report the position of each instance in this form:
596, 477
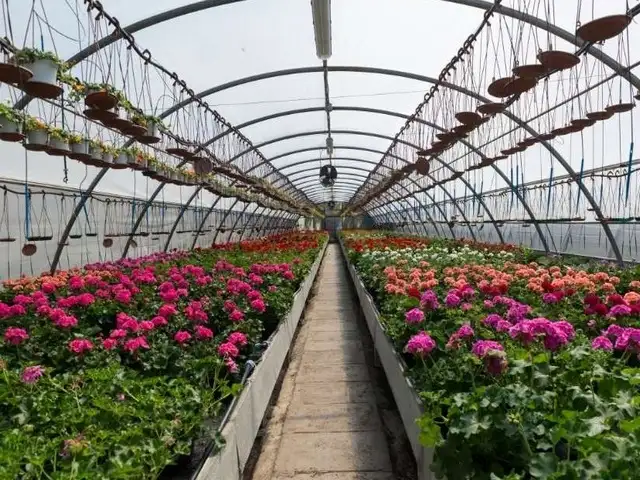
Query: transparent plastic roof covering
386, 59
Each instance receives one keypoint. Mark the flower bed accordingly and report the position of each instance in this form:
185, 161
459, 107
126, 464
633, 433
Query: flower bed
112, 371
523, 370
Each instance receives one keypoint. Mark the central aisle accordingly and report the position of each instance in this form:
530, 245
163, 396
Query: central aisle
325, 425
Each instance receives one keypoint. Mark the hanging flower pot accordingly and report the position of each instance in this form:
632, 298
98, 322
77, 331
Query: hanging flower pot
58, 144
468, 118
544, 137
138, 125
122, 160
620, 107
104, 116
491, 108
44, 66
10, 125
583, 122
557, 60
120, 120
600, 115
80, 149
529, 71
179, 151
108, 157
202, 166
497, 87
422, 166
152, 133
95, 155
604, 28
13, 73
37, 138
100, 98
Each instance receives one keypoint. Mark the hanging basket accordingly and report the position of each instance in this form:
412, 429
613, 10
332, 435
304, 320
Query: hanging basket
80, 151
519, 85
533, 70
497, 88
44, 82
121, 161
37, 140
151, 134
600, 115
491, 108
463, 129
58, 147
179, 151
14, 74
95, 156
120, 121
100, 99
10, 131
134, 129
545, 137
107, 159
583, 122
468, 118
104, 116
202, 166
604, 28
29, 249
422, 166
620, 107
557, 60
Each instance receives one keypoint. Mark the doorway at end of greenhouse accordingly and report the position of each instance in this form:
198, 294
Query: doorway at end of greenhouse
332, 225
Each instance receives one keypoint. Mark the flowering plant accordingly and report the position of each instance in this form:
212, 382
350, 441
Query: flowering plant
525, 369
101, 365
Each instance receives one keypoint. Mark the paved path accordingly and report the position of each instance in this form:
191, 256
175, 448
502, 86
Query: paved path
325, 424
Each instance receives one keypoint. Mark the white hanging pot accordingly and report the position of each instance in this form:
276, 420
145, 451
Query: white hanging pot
152, 135
122, 160
107, 159
37, 140
10, 131
58, 147
80, 150
44, 83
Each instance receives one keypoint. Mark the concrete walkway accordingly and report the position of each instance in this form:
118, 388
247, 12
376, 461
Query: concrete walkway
325, 424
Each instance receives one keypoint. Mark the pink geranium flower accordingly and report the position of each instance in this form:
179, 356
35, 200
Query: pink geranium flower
30, 375
15, 335
182, 336
80, 345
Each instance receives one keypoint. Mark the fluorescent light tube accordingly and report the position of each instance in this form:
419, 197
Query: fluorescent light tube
321, 10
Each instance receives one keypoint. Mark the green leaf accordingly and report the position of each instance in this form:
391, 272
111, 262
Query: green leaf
596, 426
543, 465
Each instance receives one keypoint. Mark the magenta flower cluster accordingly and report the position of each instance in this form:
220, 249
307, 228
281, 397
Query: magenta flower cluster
420, 345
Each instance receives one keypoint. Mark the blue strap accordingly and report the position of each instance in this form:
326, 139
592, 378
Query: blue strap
629, 172
549, 196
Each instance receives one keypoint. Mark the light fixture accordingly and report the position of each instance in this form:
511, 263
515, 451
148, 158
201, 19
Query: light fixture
321, 10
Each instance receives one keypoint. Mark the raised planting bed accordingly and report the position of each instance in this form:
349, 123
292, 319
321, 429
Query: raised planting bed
242, 427
135, 368
504, 364
404, 394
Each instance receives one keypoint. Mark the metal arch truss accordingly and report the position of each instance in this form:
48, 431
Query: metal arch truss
207, 4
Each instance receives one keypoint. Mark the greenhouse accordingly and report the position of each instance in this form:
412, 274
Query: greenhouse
317, 240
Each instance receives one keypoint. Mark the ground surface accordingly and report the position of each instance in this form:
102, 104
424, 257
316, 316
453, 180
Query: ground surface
332, 418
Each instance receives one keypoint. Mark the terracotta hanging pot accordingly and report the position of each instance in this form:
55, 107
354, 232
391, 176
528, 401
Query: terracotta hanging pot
509, 151
468, 118
179, 151
545, 137
100, 99
519, 149
491, 108
497, 88
529, 71
519, 85
583, 122
422, 166
557, 60
604, 28
29, 249
620, 107
463, 129
600, 115
499, 157
14, 74
104, 116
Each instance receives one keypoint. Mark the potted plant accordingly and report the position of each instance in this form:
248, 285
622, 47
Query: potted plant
138, 125
137, 159
58, 144
80, 147
96, 151
101, 96
178, 149
45, 67
37, 135
110, 153
123, 158
152, 134
10, 124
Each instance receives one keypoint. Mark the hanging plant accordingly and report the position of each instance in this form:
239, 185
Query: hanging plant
153, 125
58, 144
46, 68
37, 135
80, 147
10, 124
109, 154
